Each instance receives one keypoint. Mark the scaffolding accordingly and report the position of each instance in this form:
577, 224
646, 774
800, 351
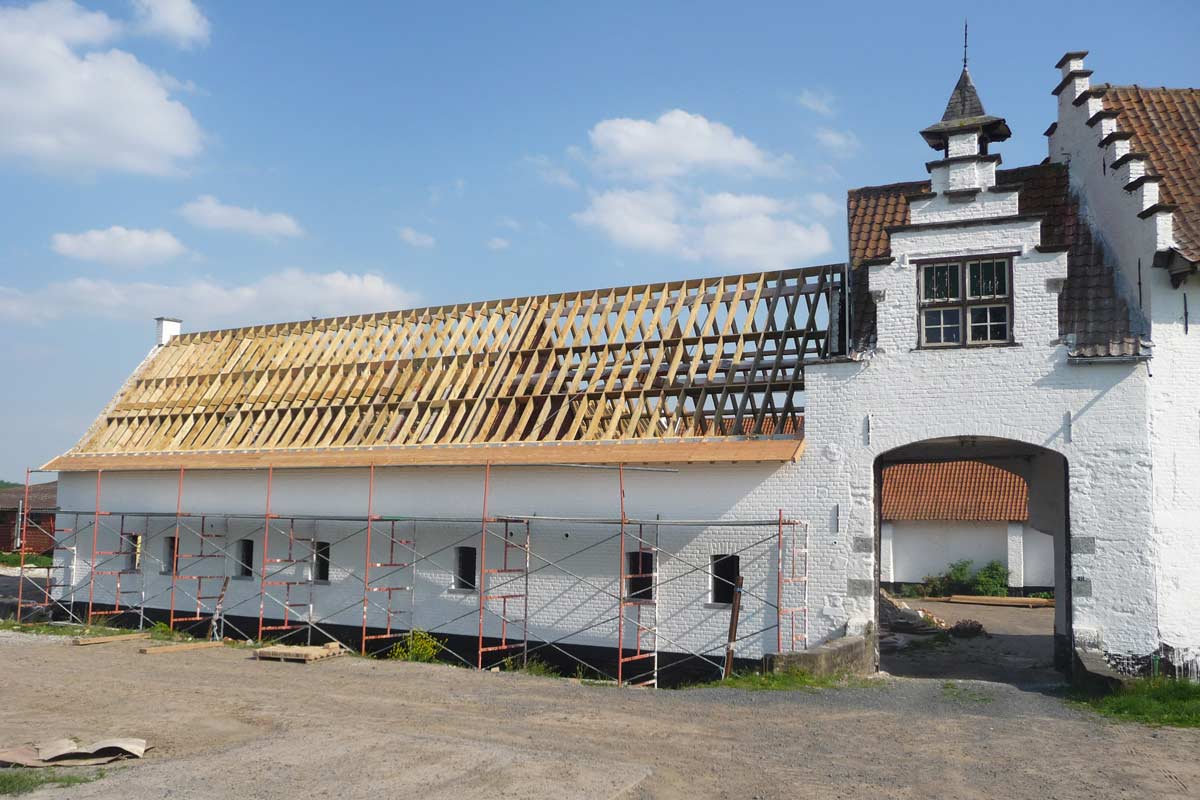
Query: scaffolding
196, 550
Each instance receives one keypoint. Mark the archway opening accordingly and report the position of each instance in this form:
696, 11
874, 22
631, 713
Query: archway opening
973, 530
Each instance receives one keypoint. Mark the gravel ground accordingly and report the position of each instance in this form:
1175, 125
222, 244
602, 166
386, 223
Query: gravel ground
1018, 647
224, 725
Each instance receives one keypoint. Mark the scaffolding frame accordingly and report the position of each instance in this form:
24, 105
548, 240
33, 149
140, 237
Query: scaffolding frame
503, 588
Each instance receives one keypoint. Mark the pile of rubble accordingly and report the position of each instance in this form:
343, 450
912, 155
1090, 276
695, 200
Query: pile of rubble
898, 622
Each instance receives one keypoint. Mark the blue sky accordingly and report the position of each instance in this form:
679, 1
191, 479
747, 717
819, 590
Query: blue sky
238, 162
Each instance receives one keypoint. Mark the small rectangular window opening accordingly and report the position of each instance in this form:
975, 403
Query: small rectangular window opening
464, 568
133, 561
245, 559
170, 550
639, 575
321, 558
725, 570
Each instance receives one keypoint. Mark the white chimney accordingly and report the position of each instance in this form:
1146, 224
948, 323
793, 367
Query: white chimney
167, 328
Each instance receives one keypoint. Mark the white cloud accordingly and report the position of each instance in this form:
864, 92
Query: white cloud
762, 241
675, 144
207, 211
416, 238
508, 222
61, 19
823, 205
727, 205
818, 100
286, 295
840, 143
644, 220
118, 246
753, 231
178, 21
498, 243
64, 108
551, 173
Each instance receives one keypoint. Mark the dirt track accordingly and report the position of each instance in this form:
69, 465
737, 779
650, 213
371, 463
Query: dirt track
224, 725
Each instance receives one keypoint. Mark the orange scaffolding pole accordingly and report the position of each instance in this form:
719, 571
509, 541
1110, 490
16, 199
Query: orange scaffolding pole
480, 589
25, 549
367, 559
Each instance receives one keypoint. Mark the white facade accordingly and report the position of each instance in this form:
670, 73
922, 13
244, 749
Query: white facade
1108, 450
911, 550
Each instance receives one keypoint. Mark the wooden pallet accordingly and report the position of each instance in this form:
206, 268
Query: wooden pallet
1016, 602
304, 654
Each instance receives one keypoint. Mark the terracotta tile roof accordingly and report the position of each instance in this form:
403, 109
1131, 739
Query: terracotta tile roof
41, 495
1165, 124
1091, 306
966, 490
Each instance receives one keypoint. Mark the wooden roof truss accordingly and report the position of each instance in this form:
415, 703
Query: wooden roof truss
714, 357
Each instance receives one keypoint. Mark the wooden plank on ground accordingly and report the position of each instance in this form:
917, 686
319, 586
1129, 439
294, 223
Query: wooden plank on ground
304, 654
179, 648
124, 637
1018, 602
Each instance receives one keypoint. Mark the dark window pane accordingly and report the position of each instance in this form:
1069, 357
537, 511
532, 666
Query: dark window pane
973, 278
979, 316
927, 290
1001, 279
952, 275
999, 333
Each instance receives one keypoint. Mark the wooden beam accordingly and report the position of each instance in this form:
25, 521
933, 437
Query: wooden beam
178, 648
649, 452
124, 637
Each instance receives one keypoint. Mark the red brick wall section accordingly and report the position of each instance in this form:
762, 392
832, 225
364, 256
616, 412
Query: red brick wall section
40, 533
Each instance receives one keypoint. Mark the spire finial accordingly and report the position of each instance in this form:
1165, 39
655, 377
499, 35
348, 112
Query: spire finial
964, 43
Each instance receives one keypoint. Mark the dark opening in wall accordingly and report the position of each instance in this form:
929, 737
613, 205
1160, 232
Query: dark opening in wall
245, 565
170, 550
464, 568
725, 570
639, 575
321, 559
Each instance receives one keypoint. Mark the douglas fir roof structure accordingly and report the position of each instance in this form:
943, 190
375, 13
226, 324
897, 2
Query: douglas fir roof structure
696, 370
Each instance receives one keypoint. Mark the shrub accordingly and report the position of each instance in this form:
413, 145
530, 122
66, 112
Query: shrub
955, 580
417, 645
992, 580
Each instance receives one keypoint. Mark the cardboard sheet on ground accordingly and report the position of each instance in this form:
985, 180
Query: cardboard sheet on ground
69, 753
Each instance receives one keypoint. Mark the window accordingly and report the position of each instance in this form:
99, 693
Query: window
724, 571
639, 575
133, 561
245, 559
170, 551
983, 315
464, 568
321, 559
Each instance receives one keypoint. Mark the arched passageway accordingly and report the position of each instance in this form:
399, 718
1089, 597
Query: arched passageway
969, 481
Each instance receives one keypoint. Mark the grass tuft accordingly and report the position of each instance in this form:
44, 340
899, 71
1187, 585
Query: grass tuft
964, 694
789, 680
49, 629
31, 560
1153, 701
22, 780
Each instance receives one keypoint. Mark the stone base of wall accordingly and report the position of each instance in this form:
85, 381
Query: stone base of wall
850, 655
1092, 672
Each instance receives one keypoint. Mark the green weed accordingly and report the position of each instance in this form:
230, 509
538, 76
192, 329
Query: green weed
1153, 701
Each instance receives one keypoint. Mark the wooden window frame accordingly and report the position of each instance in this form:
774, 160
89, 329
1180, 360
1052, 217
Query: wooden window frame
964, 302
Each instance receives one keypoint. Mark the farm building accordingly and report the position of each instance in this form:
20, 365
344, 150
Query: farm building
41, 500
591, 473
936, 514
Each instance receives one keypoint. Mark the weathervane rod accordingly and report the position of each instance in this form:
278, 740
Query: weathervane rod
964, 43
